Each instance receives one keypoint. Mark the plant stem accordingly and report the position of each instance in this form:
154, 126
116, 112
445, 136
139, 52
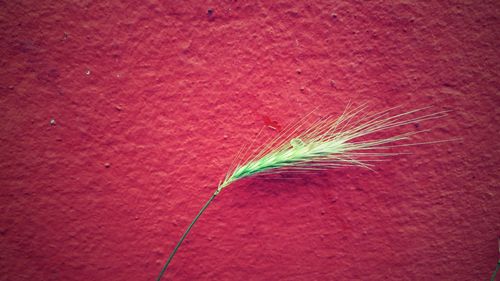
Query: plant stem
495, 272
185, 234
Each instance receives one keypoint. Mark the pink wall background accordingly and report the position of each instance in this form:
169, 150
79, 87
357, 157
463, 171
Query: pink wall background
152, 99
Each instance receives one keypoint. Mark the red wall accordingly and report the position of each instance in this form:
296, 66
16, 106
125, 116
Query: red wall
152, 99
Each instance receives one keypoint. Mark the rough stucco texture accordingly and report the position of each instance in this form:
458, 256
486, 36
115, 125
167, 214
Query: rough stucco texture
118, 119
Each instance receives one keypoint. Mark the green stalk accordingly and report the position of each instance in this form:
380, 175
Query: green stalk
185, 234
495, 272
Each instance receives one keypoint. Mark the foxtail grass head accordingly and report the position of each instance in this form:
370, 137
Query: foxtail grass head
355, 138
352, 139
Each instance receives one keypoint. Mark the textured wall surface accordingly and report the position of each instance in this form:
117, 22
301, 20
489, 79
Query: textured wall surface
118, 119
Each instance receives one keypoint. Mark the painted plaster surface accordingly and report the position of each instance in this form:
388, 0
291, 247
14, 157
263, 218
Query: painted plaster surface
118, 119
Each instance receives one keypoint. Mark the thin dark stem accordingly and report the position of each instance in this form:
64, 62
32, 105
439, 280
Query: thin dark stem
184, 235
495, 272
